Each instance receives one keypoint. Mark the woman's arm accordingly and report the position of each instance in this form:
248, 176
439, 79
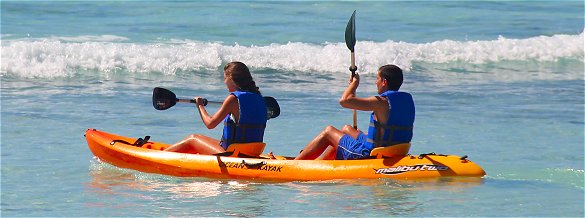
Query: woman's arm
230, 105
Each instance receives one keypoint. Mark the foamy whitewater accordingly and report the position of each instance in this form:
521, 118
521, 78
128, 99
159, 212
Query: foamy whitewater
62, 57
499, 81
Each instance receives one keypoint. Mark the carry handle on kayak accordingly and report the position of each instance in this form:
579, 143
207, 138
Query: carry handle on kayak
163, 99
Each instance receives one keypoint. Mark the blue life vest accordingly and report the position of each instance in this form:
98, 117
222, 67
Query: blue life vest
253, 116
398, 128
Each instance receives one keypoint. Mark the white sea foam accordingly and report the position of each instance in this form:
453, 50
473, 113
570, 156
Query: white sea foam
90, 38
64, 56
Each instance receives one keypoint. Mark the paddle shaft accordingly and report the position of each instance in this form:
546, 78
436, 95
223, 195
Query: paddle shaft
205, 101
350, 42
163, 99
353, 69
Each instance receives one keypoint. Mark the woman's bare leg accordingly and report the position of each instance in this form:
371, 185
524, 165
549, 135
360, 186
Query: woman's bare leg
328, 137
197, 144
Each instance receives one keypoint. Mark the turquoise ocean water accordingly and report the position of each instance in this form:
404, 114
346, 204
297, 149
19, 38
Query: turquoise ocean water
499, 81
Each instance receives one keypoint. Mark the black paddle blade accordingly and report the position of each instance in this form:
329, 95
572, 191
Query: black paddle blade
272, 106
350, 33
163, 99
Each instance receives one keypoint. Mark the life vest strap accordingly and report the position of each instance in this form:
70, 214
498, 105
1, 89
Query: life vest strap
379, 142
391, 127
243, 128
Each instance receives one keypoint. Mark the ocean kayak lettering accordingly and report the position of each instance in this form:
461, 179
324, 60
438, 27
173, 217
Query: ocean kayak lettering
243, 166
403, 169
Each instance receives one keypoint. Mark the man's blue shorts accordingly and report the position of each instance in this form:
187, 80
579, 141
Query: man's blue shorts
353, 149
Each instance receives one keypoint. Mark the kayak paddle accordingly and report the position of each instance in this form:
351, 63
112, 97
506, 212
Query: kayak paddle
350, 42
163, 99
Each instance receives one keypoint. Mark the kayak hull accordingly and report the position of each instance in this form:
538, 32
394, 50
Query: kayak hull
150, 158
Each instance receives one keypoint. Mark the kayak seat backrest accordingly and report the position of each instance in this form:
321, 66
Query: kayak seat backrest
253, 149
391, 151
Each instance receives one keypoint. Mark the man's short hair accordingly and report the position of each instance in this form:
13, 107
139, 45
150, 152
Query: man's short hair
393, 75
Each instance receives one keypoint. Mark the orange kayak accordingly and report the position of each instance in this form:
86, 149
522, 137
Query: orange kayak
149, 158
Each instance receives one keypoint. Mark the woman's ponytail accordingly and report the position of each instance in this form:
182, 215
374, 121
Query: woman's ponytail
240, 74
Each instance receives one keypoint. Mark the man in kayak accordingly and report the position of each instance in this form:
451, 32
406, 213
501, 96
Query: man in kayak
243, 112
391, 121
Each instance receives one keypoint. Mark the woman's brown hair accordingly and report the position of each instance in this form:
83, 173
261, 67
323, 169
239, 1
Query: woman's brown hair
240, 74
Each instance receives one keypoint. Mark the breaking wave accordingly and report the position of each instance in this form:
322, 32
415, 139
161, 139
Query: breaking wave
64, 56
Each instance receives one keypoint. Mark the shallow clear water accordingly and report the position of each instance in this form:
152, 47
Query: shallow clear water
501, 82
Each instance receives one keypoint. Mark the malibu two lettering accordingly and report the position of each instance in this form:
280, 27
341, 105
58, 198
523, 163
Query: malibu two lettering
403, 169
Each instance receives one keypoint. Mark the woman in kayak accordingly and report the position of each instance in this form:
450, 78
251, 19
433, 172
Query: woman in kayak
391, 121
243, 112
